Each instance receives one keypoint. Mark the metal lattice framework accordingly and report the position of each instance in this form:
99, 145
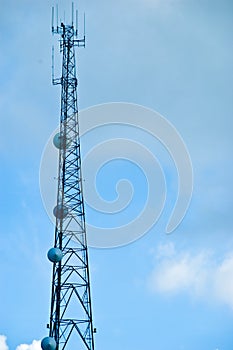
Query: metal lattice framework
71, 315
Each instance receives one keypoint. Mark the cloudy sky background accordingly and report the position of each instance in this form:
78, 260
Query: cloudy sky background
175, 57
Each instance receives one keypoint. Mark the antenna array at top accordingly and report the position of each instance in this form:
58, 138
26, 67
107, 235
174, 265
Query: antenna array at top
57, 29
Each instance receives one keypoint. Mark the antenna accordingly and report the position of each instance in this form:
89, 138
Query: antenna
84, 25
57, 15
52, 63
72, 14
76, 33
52, 19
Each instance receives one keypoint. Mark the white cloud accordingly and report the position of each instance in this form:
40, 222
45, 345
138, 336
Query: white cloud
165, 250
199, 275
223, 284
34, 346
3, 345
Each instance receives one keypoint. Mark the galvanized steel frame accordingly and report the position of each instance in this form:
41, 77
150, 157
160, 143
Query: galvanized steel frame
70, 279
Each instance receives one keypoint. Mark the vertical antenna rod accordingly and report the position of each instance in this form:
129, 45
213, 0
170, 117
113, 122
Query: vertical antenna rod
70, 326
72, 13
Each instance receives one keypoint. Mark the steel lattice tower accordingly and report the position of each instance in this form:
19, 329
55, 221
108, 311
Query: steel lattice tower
70, 325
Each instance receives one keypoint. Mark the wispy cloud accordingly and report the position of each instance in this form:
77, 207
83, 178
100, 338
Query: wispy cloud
200, 275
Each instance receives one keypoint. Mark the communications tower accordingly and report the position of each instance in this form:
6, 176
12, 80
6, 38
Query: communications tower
70, 326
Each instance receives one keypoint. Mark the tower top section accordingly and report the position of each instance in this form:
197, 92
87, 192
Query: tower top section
69, 32
69, 38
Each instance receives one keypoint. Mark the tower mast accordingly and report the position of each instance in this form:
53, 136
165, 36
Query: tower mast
70, 326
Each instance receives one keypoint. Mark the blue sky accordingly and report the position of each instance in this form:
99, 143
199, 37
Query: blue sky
163, 291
